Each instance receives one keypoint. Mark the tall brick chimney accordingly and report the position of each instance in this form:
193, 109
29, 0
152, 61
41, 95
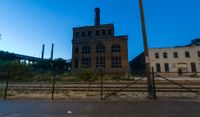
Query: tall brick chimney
97, 16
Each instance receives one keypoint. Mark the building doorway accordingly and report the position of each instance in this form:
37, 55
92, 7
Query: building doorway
180, 72
182, 68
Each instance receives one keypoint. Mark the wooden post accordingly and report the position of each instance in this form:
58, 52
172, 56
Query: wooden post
146, 52
7, 82
154, 85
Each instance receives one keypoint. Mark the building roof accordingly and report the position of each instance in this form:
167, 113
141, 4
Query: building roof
93, 26
177, 47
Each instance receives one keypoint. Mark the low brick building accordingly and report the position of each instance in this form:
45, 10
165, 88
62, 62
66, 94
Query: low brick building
95, 47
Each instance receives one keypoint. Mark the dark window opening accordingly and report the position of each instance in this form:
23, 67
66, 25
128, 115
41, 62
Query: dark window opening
103, 32
97, 32
198, 53
86, 50
100, 62
116, 62
158, 67
86, 62
76, 63
100, 49
76, 50
77, 34
157, 55
116, 48
83, 34
193, 67
164, 55
175, 54
109, 31
187, 54
89, 33
166, 67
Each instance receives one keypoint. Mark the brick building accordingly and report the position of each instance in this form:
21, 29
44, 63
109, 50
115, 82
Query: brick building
95, 47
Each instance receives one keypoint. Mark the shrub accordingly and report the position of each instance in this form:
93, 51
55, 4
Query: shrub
88, 75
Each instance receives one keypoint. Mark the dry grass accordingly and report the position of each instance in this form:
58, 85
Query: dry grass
78, 95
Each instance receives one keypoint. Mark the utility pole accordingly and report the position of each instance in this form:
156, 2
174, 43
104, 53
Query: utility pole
146, 52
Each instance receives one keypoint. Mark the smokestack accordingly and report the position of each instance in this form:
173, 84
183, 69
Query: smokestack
43, 46
97, 16
52, 48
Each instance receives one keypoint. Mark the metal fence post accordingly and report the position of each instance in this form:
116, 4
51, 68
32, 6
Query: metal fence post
6, 89
54, 79
154, 86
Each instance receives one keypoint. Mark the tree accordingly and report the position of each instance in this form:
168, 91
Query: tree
60, 65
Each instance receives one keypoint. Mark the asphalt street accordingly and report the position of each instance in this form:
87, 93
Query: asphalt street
159, 108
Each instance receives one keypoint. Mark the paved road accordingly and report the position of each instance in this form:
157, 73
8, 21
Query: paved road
18, 108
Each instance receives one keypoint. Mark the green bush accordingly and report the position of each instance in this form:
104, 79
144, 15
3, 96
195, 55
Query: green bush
88, 76
115, 77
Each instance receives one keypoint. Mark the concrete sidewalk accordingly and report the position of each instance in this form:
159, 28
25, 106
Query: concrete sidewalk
161, 108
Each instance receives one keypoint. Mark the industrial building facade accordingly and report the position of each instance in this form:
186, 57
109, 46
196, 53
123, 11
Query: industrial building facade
95, 47
179, 60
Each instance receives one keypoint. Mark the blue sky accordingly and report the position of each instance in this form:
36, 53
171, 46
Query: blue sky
26, 24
